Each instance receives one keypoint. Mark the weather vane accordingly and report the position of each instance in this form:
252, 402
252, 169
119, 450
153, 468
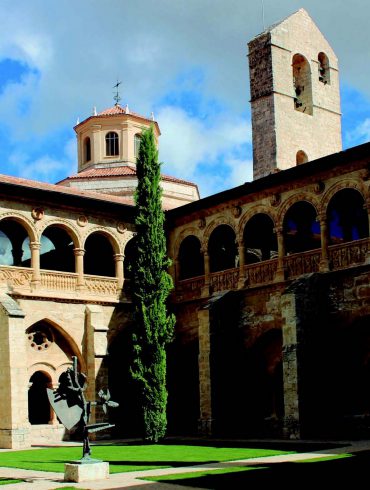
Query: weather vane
117, 97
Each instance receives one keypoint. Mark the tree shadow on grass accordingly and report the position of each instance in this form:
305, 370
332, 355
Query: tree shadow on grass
319, 474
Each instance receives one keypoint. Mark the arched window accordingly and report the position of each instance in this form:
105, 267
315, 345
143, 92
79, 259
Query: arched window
301, 229
302, 84
111, 144
324, 69
259, 239
301, 157
222, 249
137, 141
98, 258
347, 217
191, 258
87, 149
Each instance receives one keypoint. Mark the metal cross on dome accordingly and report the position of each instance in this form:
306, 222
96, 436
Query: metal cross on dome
117, 97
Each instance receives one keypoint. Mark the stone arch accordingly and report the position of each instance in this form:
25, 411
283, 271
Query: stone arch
61, 332
16, 234
112, 237
45, 367
72, 231
221, 220
24, 221
300, 196
258, 209
338, 186
182, 235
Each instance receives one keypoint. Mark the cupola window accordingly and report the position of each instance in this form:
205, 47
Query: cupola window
111, 144
87, 149
137, 142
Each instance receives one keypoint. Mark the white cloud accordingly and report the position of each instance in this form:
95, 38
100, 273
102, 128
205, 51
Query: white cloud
44, 168
188, 142
360, 134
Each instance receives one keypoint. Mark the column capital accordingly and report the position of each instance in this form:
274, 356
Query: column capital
278, 230
35, 245
79, 251
118, 257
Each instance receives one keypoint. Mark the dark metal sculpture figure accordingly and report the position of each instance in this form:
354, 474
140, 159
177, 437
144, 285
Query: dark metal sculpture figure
73, 410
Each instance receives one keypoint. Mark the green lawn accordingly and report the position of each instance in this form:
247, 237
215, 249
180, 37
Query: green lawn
130, 458
9, 481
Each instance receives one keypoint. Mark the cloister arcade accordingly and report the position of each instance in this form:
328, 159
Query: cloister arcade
277, 237
61, 251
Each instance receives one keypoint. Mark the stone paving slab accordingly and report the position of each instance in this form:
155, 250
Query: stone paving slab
43, 480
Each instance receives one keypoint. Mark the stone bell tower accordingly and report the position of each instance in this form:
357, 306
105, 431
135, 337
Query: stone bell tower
295, 99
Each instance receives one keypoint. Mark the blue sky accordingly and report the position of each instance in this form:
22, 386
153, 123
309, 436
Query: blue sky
184, 60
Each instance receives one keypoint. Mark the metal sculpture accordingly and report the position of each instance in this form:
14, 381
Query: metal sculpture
73, 410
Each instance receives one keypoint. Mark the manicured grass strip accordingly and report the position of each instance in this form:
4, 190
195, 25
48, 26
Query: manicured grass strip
326, 458
199, 474
124, 458
9, 481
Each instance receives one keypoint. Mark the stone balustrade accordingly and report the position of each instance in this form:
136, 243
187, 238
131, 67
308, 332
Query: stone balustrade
261, 273
20, 280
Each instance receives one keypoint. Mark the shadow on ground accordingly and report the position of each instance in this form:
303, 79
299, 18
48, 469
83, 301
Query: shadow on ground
346, 471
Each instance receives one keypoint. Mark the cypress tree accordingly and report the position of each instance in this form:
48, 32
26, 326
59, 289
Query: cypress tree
153, 327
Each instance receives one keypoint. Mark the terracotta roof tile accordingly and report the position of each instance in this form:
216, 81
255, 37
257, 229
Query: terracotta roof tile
122, 171
63, 190
114, 111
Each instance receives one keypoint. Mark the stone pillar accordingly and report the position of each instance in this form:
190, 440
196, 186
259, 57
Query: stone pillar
324, 261
118, 260
205, 398
290, 367
14, 425
205, 288
280, 274
79, 267
35, 262
96, 353
241, 250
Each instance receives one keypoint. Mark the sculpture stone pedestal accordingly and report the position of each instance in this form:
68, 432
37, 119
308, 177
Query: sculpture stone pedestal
77, 472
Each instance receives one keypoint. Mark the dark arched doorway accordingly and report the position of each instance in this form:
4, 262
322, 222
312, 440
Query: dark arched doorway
259, 239
39, 410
